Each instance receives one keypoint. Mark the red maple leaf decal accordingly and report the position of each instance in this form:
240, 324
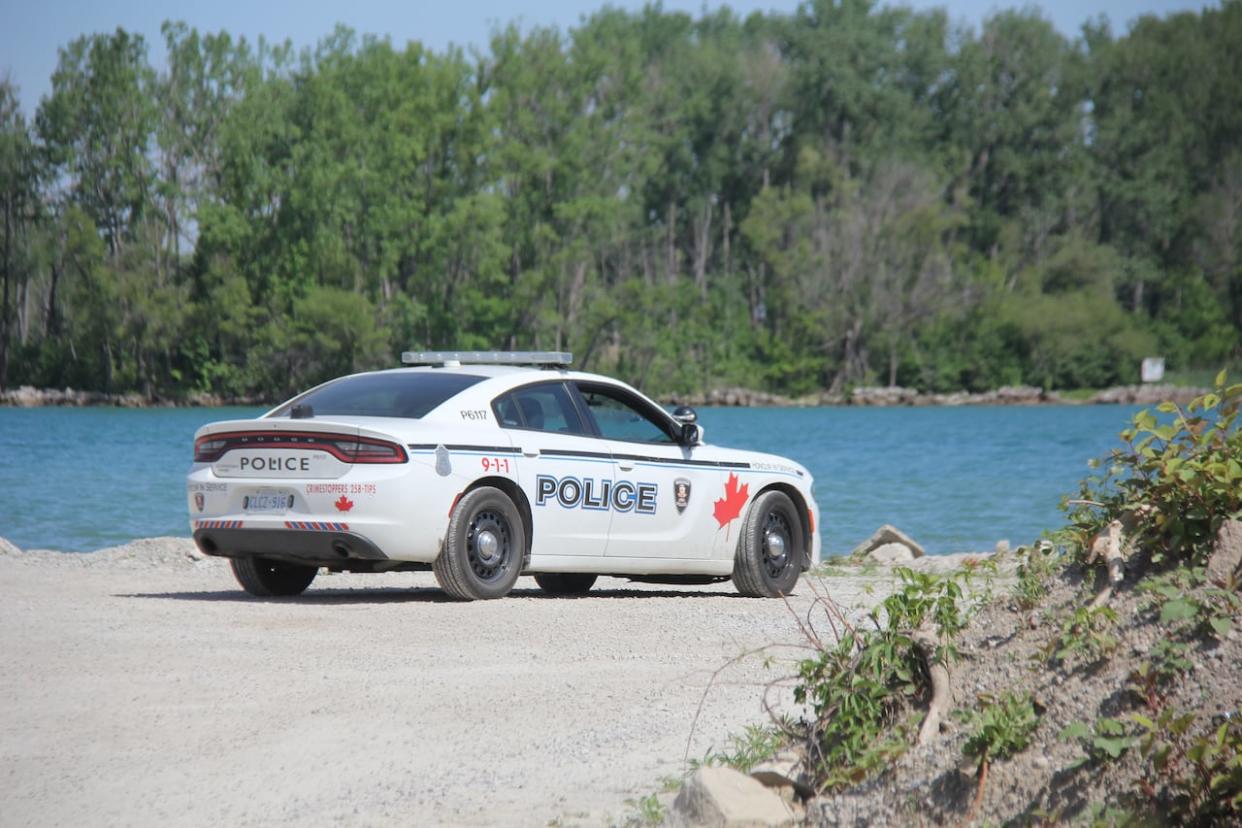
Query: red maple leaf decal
730, 506
343, 504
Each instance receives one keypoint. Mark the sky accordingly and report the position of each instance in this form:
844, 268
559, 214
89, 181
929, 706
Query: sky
31, 32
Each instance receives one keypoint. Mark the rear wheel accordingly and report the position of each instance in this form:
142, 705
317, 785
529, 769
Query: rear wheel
484, 547
267, 578
769, 552
565, 583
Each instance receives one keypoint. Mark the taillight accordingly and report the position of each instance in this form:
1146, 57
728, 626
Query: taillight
208, 449
368, 451
343, 447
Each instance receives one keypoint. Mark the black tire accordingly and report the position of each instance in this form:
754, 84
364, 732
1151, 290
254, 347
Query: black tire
267, 578
565, 583
470, 568
770, 549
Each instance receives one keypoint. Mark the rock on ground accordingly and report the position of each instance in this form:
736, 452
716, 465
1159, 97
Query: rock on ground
1225, 564
884, 536
891, 553
718, 797
784, 772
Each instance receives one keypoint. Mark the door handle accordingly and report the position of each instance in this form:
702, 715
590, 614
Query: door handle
625, 467
526, 453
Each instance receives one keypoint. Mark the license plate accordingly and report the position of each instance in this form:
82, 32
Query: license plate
267, 502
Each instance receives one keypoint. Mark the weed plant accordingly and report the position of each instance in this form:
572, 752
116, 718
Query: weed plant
1000, 727
863, 687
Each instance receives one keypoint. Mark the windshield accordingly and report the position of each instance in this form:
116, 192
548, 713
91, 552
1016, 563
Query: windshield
390, 394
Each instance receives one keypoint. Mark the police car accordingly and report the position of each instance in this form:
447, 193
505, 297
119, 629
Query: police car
485, 466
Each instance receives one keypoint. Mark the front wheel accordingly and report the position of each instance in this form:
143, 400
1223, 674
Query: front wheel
267, 578
483, 548
770, 549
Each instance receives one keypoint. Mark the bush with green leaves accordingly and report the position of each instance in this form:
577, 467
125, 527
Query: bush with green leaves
1188, 606
1105, 739
863, 687
1000, 727
1153, 679
1189, 779
1177, 480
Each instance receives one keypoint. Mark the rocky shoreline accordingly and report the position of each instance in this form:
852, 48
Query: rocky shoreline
872, 396
888, 397
29, 397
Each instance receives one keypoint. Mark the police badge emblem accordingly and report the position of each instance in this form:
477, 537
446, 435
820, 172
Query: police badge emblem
681, 494
199, 501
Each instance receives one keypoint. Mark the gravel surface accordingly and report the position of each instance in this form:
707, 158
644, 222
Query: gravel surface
143, 686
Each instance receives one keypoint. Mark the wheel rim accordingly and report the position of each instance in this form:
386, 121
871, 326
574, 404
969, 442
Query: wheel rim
489, 546
777, 544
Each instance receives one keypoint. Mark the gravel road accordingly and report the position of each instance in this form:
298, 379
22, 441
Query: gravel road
143, 687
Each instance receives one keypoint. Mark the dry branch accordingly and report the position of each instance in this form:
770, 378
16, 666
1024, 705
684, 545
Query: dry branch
1110, 548
928, 643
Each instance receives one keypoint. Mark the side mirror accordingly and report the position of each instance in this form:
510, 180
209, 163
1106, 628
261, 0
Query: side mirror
691, 434
685, 414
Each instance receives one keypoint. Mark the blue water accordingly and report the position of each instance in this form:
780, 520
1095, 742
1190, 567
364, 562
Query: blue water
956, 479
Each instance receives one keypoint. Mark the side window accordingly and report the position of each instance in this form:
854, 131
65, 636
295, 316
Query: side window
507, 412
620, 419
545, 407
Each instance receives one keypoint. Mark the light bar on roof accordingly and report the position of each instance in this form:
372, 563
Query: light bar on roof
561, 358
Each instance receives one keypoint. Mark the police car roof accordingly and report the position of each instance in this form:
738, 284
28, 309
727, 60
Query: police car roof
515, 374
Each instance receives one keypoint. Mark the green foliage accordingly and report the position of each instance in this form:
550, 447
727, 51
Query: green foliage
1000, 727
648, 810
1036, 566
1191, 779
1153, 679
1084, 638
843, 195
755, 744
1189, 606
1177, 480
862, 686
1104, 740
1191, 770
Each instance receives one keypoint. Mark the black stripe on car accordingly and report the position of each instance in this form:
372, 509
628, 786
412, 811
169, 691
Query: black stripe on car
457, 447
720, 464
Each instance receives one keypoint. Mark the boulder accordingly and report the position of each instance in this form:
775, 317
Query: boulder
783, 773
1225, 563
886, 535
7, 547
891, 553
723, 797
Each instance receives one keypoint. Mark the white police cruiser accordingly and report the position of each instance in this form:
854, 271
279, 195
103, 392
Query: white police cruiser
485, 466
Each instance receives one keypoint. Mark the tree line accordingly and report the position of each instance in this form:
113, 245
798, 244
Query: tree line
848, 194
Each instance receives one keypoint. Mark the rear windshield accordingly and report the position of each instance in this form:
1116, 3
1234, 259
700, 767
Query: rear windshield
397, 394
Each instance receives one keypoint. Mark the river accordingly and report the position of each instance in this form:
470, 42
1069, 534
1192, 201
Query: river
956, 479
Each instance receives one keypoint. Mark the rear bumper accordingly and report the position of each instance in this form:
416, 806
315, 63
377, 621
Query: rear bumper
323, 548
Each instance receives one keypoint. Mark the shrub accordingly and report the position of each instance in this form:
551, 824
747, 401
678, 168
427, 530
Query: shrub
1000, 727
860, 685
1176, 481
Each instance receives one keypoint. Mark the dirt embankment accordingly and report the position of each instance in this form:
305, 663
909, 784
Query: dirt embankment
1056, 779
